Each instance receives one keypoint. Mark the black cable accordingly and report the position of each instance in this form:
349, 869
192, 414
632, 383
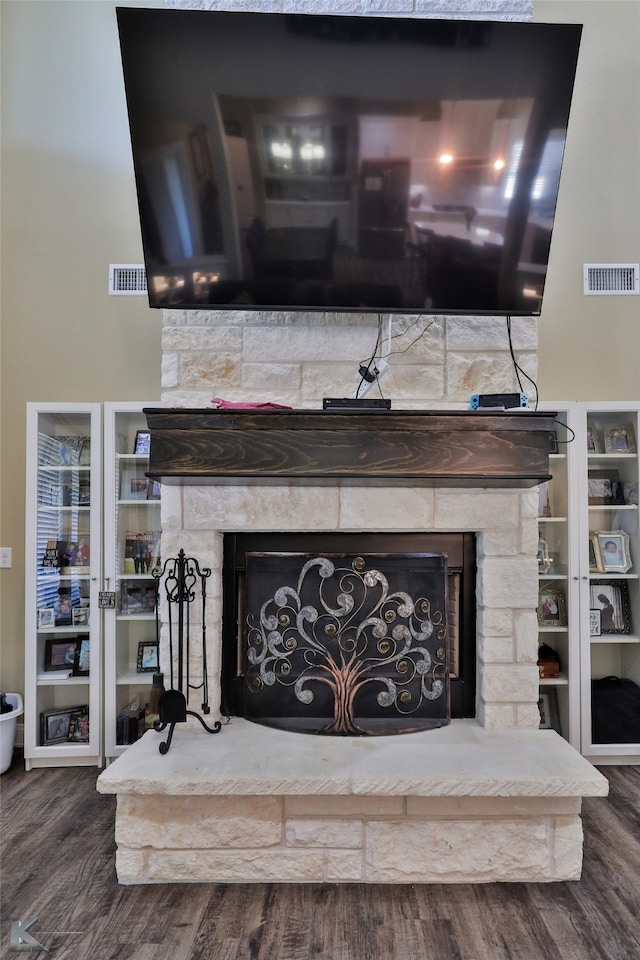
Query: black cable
518, 369
363, 377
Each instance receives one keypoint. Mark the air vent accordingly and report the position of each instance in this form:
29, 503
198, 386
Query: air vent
605, 279
127, 279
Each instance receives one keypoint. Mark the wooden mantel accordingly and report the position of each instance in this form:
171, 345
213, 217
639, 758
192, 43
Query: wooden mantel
317, 447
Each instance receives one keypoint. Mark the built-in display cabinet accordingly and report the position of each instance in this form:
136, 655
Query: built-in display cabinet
92, 542
589, 578
63, 682
131, 553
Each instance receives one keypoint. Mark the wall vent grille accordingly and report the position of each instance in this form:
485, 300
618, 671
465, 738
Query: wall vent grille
604, 279
127, 279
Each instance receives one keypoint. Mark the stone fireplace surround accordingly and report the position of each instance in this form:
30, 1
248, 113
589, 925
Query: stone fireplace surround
488, 799
479, 800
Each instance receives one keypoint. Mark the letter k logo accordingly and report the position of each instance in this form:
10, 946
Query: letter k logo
21, 940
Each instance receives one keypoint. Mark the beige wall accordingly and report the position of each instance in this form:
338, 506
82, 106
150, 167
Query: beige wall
68, 210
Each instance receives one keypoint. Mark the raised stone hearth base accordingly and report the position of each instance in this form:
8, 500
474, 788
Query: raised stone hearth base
458, 804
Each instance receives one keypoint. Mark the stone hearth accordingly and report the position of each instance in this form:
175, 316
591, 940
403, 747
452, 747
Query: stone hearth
493, 798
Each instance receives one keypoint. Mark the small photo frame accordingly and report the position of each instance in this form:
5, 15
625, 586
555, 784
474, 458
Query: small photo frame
143, 442
148, 657
614, 547
154, 490
544, 502
611, 599
551, 607
46, 618
595, 623
593, 441
605, 488
79, 725
548, 707
596, 564
60, 654
82, 662
620, 439
54, 726
80, 616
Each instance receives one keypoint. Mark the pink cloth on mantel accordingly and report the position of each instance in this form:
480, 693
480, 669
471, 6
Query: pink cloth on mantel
220, 404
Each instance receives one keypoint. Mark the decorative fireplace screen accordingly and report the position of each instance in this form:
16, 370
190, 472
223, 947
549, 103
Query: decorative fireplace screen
320, 638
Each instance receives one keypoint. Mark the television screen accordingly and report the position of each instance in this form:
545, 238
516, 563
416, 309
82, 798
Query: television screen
311, 162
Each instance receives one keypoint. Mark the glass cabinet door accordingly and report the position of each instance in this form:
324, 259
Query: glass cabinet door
611, 594
555, 613
132, 552
63, 552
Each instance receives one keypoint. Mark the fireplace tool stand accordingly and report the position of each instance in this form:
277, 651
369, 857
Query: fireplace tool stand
179, 578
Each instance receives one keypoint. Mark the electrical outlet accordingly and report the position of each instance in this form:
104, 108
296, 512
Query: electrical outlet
5, 556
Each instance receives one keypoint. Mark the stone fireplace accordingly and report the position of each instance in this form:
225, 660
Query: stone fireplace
489, 796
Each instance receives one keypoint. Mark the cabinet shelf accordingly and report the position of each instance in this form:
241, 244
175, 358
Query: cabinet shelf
615, 638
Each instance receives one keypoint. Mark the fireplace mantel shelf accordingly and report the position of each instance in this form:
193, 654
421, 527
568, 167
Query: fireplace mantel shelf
375, 448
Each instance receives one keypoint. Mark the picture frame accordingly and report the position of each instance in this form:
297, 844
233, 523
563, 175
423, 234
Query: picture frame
148, 657
596, 563
46, 618
154, 490
82, 661
593, 441
605, 488
552, 610
595, 623
611, 598
620, 439
80, 616
544, 502
79, 726
60, 653
549, 713
133, 483
137, 599
615, 550
143, 442
54, 726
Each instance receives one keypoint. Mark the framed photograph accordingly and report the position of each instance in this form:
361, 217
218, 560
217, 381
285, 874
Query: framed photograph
46, 618
79, 725
60, 654
620, 439
549, 715
80, 616
81, 665
133, 484
551, 607
596, 564
544, 503
595, 625
611, 599
54, 726
154, 489
593, 441
614, 547
143, 442
148, 657
605, 488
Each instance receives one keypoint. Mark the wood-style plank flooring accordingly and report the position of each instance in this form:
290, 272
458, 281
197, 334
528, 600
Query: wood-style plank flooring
58, 865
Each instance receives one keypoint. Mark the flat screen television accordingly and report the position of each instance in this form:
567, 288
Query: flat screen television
346, 163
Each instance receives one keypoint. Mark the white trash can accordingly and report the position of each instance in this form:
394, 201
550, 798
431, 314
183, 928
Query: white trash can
8, 730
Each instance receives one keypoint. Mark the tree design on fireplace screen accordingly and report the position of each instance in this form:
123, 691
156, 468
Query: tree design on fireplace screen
345, 644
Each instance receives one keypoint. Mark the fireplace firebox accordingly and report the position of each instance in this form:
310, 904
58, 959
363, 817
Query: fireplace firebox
349, 634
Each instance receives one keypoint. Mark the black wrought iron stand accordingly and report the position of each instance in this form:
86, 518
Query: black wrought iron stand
180, 577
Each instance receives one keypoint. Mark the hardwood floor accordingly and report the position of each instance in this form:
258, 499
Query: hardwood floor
58, 865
